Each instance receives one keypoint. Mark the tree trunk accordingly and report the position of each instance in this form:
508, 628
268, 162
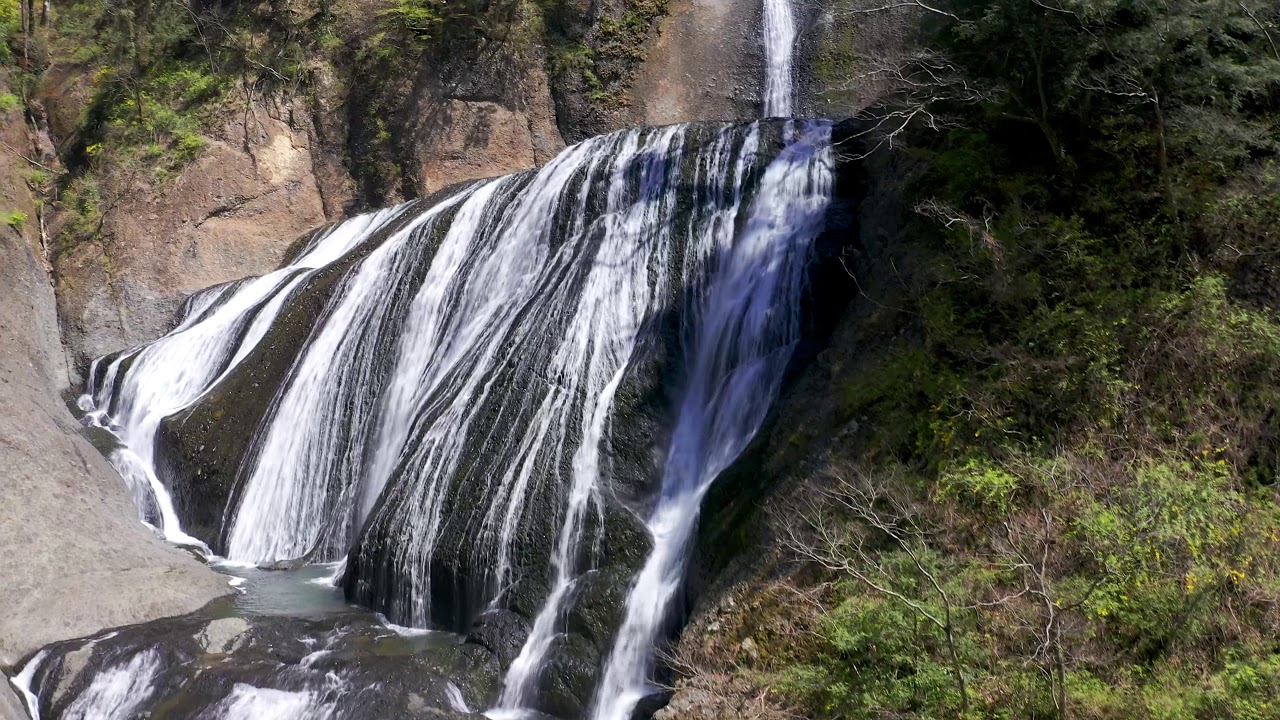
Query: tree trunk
25, 10
955, 658
1043, 120
1162, 158
1060, 660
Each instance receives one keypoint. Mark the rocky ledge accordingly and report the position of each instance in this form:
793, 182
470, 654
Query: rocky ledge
73, 558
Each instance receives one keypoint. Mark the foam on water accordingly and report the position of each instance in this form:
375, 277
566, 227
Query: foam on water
115, 693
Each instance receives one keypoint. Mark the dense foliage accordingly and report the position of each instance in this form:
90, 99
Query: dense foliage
1061, 499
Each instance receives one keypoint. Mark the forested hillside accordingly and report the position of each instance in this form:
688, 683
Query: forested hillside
1044, 482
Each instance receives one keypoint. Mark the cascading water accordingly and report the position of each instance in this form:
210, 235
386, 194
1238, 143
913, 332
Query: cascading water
744, 324
247, 702
116, 693
221, 327
497, 386
287, 502
779, 49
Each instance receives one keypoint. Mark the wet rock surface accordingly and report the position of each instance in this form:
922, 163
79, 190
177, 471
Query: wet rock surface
344, 665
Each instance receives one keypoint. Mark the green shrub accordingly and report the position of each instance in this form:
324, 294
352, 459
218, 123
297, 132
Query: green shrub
82, 202
15, 219
878, 660
980, 482
10, 28
421, 18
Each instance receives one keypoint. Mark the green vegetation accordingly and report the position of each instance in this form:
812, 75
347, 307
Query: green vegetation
1061, 497
10, 29
15, 219
421, 18
598, 60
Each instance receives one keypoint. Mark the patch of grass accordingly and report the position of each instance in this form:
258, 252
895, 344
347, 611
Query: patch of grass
420, 18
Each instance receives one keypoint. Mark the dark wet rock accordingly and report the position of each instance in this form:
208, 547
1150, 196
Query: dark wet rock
598, 605
650, 704
349, 664
568, 677
501, 632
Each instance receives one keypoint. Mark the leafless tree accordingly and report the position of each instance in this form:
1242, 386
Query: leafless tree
896, 84
836, 526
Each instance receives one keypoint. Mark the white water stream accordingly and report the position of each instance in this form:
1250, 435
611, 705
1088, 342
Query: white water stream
166, 376
117, 692
779, 48
746, 324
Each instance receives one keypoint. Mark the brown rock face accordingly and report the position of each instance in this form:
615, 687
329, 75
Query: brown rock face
230, 214
17, 210
703, 66
474, 138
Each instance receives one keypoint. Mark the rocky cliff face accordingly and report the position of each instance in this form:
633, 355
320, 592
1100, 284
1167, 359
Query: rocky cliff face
230, 214
367, 133
75, 560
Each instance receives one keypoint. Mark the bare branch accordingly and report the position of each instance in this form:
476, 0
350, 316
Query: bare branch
895, 6
1261, 27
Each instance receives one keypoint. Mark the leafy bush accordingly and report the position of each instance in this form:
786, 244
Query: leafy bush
1083, 382
878, 660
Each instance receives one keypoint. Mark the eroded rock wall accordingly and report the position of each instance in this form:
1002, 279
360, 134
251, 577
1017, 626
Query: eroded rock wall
73, 558
349, 142
229, 214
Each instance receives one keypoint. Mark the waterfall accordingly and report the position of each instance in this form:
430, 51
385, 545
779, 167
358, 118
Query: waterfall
117, 692
142, 386
22, 683
779, 49
287, 502
563, 298
744, 326
505, 392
